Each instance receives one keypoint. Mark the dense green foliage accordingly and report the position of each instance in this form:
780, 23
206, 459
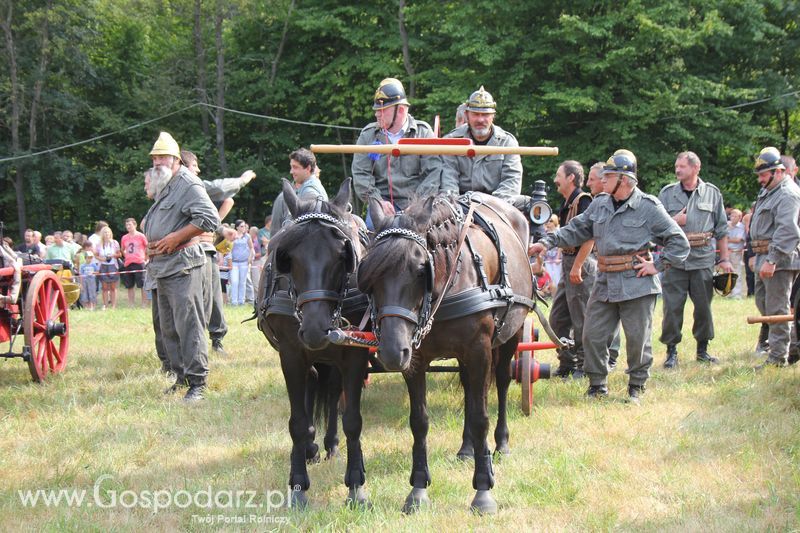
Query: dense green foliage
588, 77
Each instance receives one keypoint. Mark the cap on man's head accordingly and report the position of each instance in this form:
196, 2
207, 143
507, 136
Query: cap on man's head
166, 145
481, 101
389, 93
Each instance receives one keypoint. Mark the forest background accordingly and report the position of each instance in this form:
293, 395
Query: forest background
232, 79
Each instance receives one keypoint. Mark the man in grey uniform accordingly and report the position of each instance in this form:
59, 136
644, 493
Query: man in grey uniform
393, 180
623, 224
181, 212
499, 174
594, 183
698, 209
775, 241
221, 192
575, 285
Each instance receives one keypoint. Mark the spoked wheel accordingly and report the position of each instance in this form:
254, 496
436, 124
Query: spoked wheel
46, 324
526, 360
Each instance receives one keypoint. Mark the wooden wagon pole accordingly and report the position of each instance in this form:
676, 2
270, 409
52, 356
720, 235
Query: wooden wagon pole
433, 148
770, 319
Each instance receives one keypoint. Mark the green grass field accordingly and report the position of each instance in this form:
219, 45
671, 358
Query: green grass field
710, 448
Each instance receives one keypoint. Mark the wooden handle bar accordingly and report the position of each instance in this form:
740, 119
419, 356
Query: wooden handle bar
770, 319
423, 149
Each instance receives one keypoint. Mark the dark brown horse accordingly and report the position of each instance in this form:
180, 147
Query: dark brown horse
483, 269
302, 296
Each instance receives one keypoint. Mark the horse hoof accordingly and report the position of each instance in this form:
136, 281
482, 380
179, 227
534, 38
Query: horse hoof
312, 454
298, 500
416, 501
483, 503
357, 499
331, 453
502, 450
466, 453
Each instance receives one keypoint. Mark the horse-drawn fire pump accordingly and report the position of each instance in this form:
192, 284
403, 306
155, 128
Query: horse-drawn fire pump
34, 313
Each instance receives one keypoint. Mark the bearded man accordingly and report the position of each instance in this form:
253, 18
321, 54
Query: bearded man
180, 213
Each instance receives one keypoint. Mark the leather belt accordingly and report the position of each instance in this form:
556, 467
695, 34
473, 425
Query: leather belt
570, 250
621, 263
760, 246
153, 253
698, 239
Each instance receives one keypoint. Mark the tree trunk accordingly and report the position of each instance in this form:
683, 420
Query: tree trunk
274, 70
18, 174
406, 52
200, 61
220, 115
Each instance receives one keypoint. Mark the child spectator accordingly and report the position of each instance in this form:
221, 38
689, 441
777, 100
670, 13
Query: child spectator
134, 248
88, 267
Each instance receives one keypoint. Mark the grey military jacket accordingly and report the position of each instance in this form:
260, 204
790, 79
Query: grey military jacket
705, 212
640, 221
411, 174
498, 175
775, 217
183, 201
222, 189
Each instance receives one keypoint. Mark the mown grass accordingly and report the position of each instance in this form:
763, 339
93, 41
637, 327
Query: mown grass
711, 448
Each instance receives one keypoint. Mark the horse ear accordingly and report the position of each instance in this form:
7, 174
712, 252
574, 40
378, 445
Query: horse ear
423, 215
290, 197
379, 219
343, 196
349, 257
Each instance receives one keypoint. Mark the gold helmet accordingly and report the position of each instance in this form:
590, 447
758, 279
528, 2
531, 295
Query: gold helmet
166, 145
481, 101
724, 282
768, 159
72, 290
389, 93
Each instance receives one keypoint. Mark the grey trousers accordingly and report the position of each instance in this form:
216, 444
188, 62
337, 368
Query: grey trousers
212, 297
603, 320
676, 285
181, 313
161, 352
772, 298
569, 309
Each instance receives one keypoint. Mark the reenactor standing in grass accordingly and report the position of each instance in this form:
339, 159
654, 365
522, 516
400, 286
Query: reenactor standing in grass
499, 175
775, 241
181, 212
221, 193
698, 209
595, 185
393, 180
622, 223
578, 270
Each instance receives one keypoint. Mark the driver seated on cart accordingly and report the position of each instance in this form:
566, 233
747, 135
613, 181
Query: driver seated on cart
8, 258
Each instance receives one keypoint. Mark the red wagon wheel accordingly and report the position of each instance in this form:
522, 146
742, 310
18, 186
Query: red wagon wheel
46, 325
526, 360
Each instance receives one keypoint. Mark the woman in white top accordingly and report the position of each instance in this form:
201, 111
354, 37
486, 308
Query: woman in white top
107, 252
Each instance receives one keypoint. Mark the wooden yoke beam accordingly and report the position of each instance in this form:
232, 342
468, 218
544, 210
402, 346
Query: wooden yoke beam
397, 150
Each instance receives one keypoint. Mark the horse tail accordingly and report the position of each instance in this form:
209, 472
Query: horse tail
327, 391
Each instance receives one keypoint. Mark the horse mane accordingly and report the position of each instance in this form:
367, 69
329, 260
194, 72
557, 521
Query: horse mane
433, 219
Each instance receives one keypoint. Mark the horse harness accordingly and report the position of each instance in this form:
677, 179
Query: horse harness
486, 296
287, 302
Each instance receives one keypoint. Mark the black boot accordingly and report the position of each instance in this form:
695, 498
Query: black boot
762, 347
702, 353
672, 356
195, 393
635, 393
612, 360
597, 391
216, 346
